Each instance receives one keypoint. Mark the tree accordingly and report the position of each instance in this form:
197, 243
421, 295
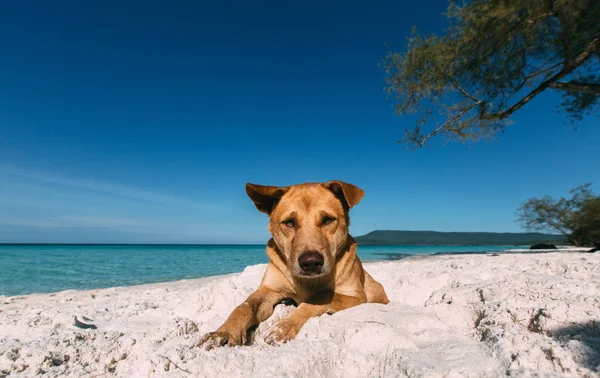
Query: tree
495, 57
588, 229
578, 217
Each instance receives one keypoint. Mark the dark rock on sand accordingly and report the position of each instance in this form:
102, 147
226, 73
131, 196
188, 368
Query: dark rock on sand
80, 324
543, 246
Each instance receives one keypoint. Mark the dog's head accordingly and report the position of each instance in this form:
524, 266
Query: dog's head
309, 222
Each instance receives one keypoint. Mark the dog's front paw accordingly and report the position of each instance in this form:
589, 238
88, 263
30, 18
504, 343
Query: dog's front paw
282, 332
218, 339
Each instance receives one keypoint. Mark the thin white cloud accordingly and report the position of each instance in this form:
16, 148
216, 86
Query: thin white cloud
173, 232
102, 186
42, 203
71, 221
91, 221
34, 223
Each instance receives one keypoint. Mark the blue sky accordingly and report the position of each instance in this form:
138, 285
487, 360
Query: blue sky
142, 121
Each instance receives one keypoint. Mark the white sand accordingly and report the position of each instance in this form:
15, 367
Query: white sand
450, 316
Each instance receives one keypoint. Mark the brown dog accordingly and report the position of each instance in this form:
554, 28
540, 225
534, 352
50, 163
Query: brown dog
312, 260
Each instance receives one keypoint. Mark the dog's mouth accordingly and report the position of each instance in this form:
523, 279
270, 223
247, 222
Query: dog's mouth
311, 274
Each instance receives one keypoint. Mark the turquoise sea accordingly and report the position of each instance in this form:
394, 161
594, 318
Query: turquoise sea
26, 269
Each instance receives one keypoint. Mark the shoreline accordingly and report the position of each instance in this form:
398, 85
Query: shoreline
46, 269
388, 258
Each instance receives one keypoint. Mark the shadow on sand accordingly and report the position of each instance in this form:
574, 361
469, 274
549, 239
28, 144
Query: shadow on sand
587, 335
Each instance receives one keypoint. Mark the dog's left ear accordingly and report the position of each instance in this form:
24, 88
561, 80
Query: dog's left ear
265, 197
349, 193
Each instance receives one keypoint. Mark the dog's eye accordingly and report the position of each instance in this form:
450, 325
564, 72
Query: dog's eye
290, 223
327, 220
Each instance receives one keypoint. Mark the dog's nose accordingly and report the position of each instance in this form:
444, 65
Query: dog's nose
311, 262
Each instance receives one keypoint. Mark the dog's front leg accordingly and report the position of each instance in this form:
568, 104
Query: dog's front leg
258, 307
287, 328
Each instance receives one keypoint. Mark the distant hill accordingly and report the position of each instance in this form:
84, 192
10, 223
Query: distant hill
385, 237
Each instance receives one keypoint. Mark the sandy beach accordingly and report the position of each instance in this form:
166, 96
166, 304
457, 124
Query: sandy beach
449, 316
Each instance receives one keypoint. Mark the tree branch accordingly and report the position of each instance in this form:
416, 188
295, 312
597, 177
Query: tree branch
582, 57
442, 127
544, 70
557, 227
577, 86
461, 89
540, 17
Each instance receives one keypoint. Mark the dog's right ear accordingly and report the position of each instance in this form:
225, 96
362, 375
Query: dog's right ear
351, 194
265, 197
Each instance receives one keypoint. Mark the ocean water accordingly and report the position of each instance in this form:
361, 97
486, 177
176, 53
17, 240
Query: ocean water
26, 269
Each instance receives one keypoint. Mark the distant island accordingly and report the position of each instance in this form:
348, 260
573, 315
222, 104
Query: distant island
390, 237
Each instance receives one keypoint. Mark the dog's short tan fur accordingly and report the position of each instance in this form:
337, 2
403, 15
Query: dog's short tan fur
304, 218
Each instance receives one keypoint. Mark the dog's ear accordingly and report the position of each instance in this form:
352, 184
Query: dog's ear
349, 193
265, 197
